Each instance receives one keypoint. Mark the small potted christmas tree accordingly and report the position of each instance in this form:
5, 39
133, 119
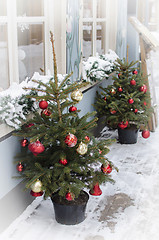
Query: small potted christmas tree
59, 156
126, 103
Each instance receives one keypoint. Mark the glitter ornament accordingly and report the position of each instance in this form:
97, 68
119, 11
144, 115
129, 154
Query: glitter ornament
106, 168
36, 186
71, 140
76, 95
82, 148
143, 88
36, 147
45, 113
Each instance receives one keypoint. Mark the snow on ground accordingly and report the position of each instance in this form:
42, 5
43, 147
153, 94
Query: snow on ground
126, 210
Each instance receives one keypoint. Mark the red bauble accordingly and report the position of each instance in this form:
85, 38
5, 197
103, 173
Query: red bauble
145, 133
105, 98
112, 111
87, 139
145, 103
24, 142
135, 72
71, 140
72, 109
123, 125
63, 161
20, 167
130, 101
120, 89
96, 191
29, 125
112, 91
70, 196
36, 147
106, 168
143, 88
133, 82
45, 113
36, 194
136, 110
119, 75
43, 104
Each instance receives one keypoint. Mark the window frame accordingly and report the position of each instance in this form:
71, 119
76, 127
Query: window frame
52, 15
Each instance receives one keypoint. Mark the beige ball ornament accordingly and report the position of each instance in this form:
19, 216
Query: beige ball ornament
82, 148
76, 95
36, 187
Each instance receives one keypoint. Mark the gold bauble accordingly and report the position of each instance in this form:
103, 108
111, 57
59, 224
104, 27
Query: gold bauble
76, 95
36, 187
82, 148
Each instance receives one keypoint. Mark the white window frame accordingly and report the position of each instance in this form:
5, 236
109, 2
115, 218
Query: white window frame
110, 24
54, 15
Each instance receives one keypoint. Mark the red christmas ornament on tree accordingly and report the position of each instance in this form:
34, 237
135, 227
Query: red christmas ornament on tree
145, 103
36, 194
104, 98
143, 88
112, 91
72, 109
29, 125
123, 125
120, 89
133, 82
145, 133
96, 191
36, 147
119, 75
71, 140
136, 110
135, 72
45, 113
130, 101
87, 139
70, 196
106, 168
112, 111
43, 104
20, 167
63, 161
24, 142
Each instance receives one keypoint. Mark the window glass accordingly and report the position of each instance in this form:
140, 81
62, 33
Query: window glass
30, 8
3, 7
87, 8
4, 73
101, 8
100, 41
87, 40
30, 49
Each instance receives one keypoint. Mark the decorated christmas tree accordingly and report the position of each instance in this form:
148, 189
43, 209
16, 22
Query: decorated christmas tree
59, 154
126, 102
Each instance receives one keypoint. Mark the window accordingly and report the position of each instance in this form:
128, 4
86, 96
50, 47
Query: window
97, 35
24, 38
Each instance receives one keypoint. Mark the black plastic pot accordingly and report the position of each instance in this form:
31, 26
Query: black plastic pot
71, 213
128, 135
